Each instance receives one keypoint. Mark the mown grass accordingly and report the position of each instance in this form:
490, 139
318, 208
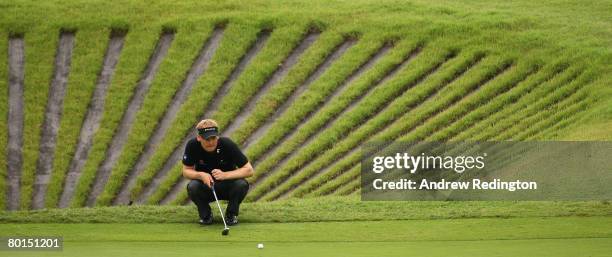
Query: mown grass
554, 236
537, 236
182, 53
571, 20
3, 125
317, 209
86, 63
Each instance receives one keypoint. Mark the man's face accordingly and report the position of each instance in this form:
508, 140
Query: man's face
209, 144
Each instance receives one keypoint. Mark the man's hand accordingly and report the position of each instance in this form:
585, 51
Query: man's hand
218, 174
206, 179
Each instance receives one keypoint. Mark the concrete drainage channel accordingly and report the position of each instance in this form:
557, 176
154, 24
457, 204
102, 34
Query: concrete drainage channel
15, 120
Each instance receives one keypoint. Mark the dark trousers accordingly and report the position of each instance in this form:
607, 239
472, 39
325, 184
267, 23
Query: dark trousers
233, 191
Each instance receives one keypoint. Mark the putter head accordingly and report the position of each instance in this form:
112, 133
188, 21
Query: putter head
225, 231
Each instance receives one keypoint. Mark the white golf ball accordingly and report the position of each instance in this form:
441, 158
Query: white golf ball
260, 246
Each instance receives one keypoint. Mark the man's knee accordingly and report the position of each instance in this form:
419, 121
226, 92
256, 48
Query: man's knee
241, 185
194, 186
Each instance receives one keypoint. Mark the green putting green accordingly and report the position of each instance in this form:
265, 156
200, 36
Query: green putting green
549, 236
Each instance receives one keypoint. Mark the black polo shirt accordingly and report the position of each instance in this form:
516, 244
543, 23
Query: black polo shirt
226, 157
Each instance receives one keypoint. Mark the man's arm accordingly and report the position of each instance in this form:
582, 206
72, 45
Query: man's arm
190, 173
243, 172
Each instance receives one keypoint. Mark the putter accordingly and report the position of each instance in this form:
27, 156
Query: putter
226, 229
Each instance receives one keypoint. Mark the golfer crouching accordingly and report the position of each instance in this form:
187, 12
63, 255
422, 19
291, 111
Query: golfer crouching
213, 161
